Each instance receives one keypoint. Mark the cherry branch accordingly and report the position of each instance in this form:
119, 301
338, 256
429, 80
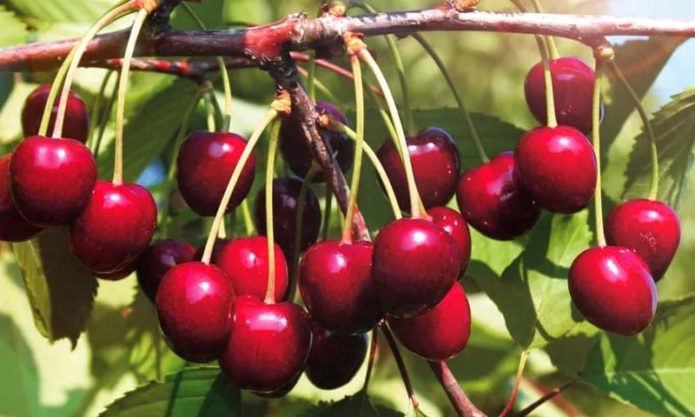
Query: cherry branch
463, 405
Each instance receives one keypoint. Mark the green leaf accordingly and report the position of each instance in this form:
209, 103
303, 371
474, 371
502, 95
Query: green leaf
193, 392
87, 11
60, 289
674, 127
655, 370
358, 405
14, 31
20, 382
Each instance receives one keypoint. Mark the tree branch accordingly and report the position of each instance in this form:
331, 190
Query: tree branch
464, 407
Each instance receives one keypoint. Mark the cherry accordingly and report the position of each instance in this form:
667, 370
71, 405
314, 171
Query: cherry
51, 180
336, 284
119, 273
159, 258
115, 227
204, 165
268, 346
76, 124
557, 166
651, 228
285, 205
334, 358
573, 86
245, 261
439, 333
297, 152
282, 391
455, 225
415, 263
216, 249
435, 163
611, 287
493, 202
13, 227
195, 307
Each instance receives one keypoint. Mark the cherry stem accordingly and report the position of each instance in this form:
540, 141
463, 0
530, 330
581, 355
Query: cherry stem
327, 212
554, 54
97, 110
222, 231
212, 112
236, 173
269, 227
517, 382
400, 364
370, 361
319, 86
395, 118
548, 76
653, 149
596, 136
311, 80
104, 119
457, 96
246, 216
458, 398
79, 50
545, 398
298, 224
53, 93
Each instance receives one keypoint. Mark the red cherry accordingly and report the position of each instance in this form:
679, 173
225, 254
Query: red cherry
205, 163
440, 333
455, 225
334, 358
336, 284
268, 346
76, 124
285, 205
297, 153
216, 249
415, 263
195, 307
51, 179
493, 202
611, 287
115, 227
280, 392
159, 258
245, 261
118, 274
435, 163
573, 86
651, 228
557, 166
13, 227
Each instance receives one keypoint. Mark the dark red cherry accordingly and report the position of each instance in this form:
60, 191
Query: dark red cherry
493, 202
13, 227
334, 358
336, 284
268, 346
195, 307
119, 273
435, 163
245, 261
76, 124
51, 180
414, 265
611, 287
439, 333
280, 392
204, 166
557, 166
285, 205
573, 86
297, 152
115, 227
651, 228
455, 225
216, 249
159, 258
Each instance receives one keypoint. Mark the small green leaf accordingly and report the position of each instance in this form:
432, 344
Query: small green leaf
14, 31
192, 392
42, 12
358, 405
60, 289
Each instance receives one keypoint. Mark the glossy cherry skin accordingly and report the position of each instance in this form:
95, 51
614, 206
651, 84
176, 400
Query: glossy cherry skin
493, 202
205, 164
455, 225
285, 205
415, 263
280, 392
336, 284
613, 289
51, 180
297, 152
573, 86
195, 307
435, 161
557, 166
118, 274
76, 124
157, 260
115, 227
269, 344
439, 333
651, 228
13, 227
334, 358
216, 249
245, 261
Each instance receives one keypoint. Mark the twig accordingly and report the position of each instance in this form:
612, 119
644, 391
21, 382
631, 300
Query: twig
462, 404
